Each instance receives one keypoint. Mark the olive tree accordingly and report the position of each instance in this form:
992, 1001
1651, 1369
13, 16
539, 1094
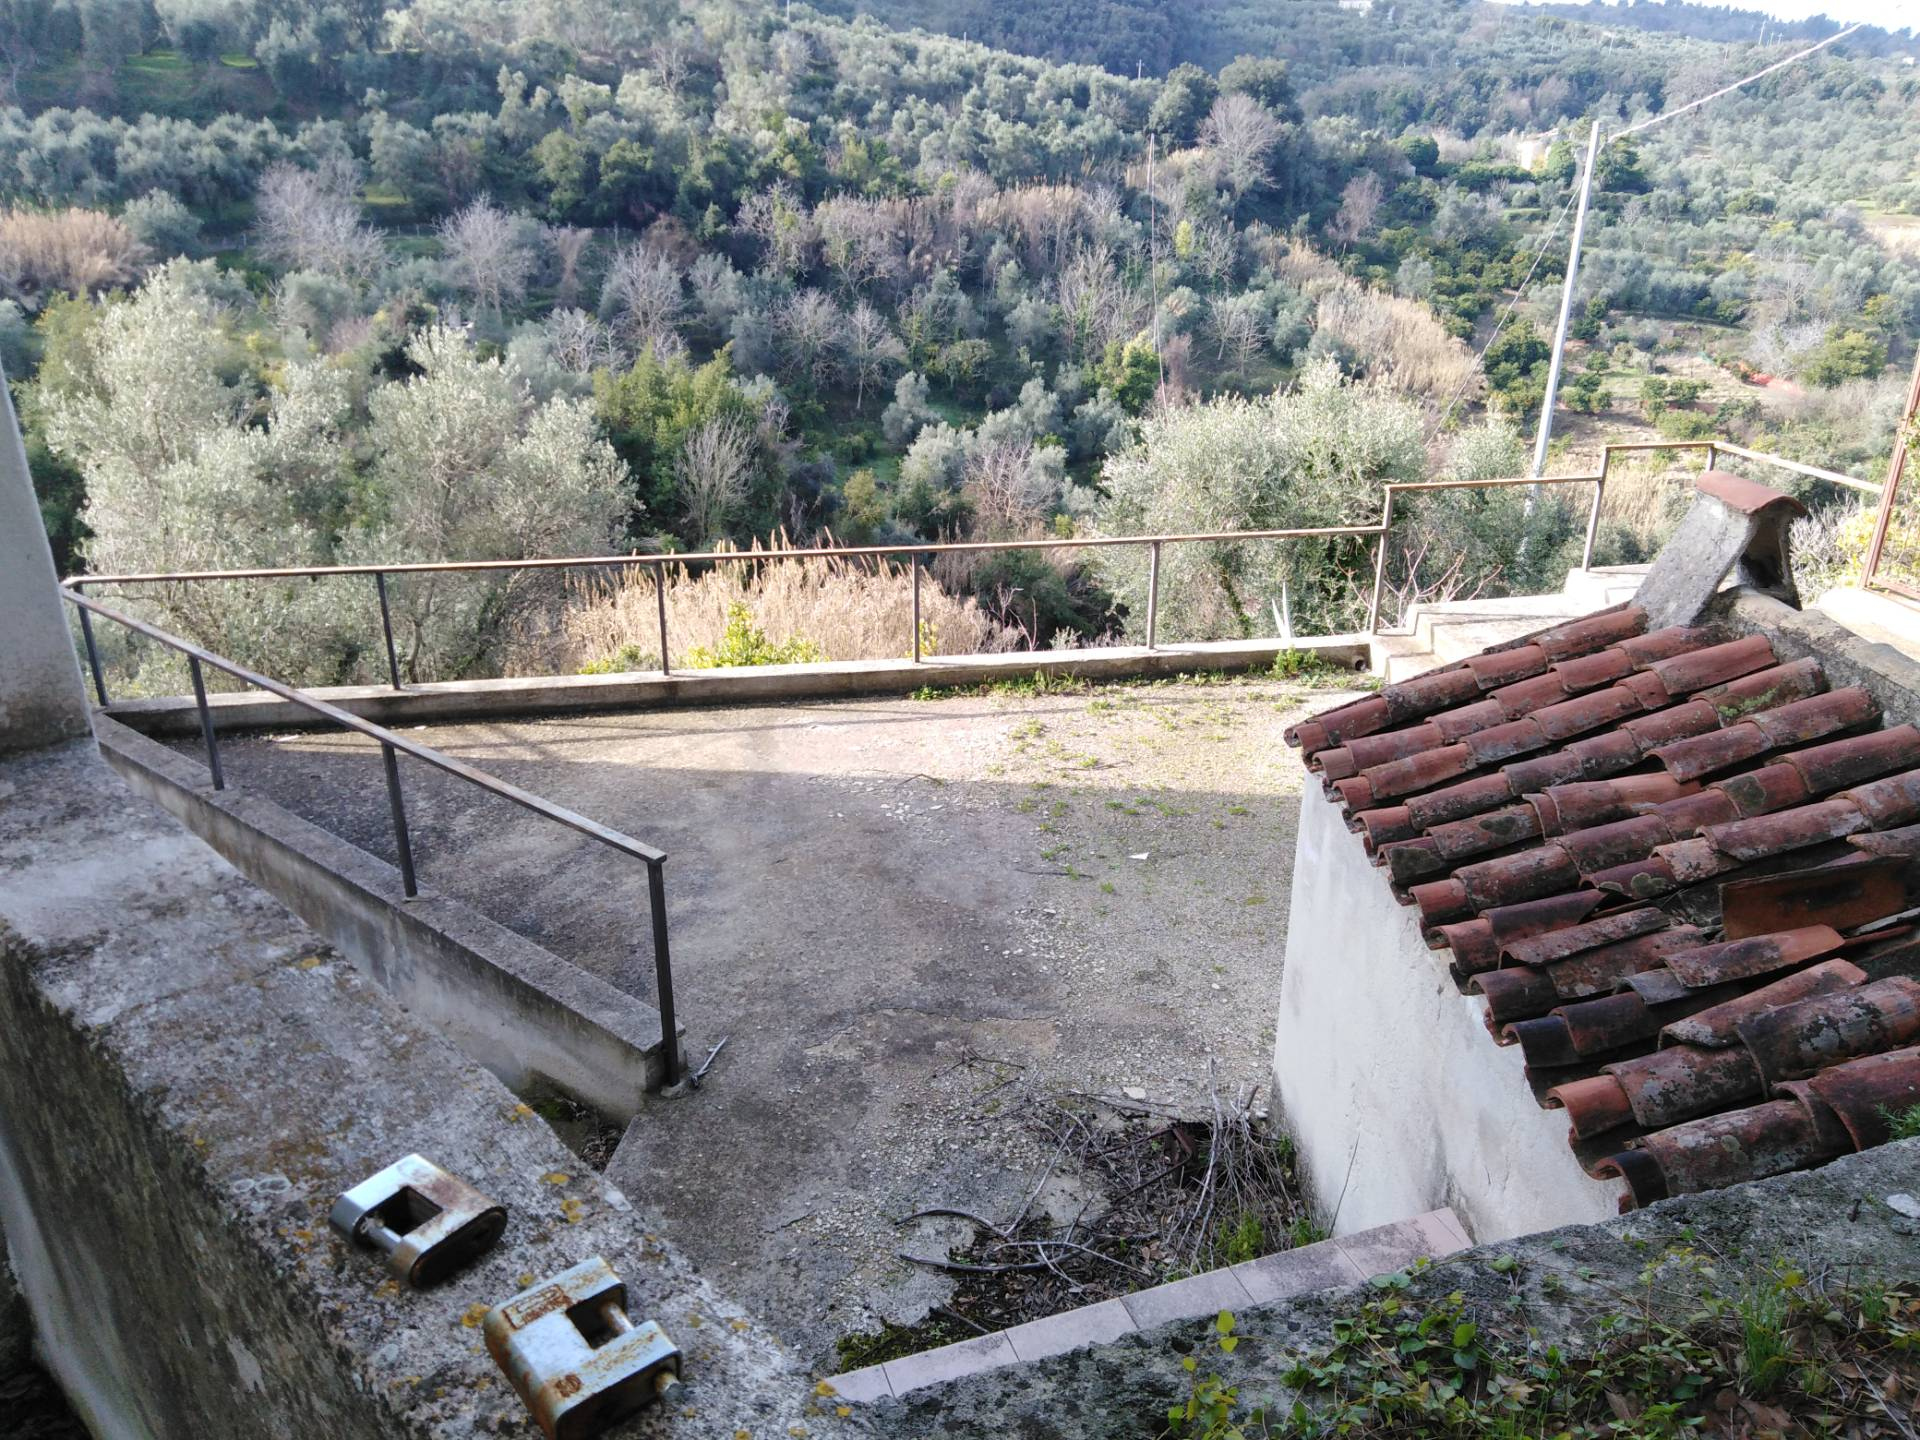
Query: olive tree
1312, 457
468, 466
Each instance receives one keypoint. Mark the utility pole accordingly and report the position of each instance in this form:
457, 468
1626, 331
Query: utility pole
1566, 307
1153, 255
1580, 225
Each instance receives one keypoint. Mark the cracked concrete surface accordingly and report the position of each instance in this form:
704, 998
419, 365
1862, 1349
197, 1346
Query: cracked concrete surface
893, 908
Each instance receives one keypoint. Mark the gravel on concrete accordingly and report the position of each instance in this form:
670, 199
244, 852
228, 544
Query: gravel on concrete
904, 913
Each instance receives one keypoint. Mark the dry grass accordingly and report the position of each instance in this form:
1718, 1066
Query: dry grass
1398, 340
851, 609
72, 249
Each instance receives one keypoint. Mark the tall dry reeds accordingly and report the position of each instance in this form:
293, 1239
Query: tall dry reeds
71, 249
852, 609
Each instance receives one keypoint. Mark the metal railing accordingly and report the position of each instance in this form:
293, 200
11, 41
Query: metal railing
1899, 518
392, 746
916, 553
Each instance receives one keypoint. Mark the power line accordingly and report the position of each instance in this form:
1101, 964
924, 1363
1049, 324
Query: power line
1729, 89
1519, 294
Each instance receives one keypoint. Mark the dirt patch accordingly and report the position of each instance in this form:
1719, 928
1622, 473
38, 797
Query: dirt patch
871, 899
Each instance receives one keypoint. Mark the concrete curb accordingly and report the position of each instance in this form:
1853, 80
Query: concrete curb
1327, 1265
517, 1009
764, 684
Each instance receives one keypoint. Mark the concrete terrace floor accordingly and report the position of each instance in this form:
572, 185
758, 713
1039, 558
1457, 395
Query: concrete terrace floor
905, 913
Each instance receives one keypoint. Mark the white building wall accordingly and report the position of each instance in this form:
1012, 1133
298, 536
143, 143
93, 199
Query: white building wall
1399, 1100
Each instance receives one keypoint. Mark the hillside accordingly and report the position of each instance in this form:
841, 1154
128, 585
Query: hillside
307, 282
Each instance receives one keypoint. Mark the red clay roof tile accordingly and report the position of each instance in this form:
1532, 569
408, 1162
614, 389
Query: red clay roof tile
1526, 754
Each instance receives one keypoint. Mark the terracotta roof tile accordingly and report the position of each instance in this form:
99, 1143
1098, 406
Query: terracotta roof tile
1723, 1031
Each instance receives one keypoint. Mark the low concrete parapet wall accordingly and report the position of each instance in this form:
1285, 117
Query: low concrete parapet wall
521, 1011
741, 685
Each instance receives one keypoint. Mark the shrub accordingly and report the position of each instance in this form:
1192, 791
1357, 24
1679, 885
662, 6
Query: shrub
744, 643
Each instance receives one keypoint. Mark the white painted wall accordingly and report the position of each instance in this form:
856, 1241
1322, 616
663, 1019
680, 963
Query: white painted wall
1399, 1100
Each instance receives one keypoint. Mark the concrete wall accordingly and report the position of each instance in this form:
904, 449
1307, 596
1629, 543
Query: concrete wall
16, 1326
1385, 1074
189, 1077
41, 702
521, 1011
559, 694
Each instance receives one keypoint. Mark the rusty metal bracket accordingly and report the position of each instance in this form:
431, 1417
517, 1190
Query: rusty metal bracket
571, 1353
1733, 522
428, 1222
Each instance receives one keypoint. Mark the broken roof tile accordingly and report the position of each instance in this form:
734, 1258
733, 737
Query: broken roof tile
1729, 960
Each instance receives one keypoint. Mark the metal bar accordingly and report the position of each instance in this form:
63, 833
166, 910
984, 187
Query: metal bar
1586, 479
1380, 563
402, 840
1833, 477
914, 561
1153, 592
663, 970
206, 722
559, 814
660, 603
730, 557
386, 627
1896, 470
1593, 524
93, 657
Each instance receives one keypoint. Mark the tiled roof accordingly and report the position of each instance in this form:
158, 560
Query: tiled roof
1676, 868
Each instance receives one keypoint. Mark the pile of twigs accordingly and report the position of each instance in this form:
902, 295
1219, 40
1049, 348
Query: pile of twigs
1173, 1193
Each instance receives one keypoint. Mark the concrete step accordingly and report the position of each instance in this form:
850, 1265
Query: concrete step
1270, 1280
1443, 631
1603, 585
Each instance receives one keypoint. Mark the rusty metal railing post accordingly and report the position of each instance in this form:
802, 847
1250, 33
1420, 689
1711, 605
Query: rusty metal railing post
660, 603
1890, 492
386, 629
396, 803
93, 653
1153, 593
914, 560
206, 722
663, 971
1380, 564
